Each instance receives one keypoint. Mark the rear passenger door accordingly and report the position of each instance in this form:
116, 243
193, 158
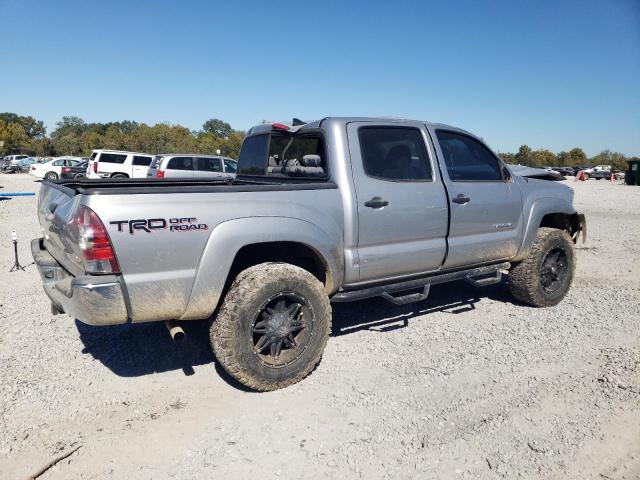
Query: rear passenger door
401, 202
140, 165
208, 167
179, 167
486, 206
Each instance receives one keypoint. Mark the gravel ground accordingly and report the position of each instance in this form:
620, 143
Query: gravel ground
468, 384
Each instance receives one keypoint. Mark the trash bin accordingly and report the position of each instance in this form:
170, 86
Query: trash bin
632, 177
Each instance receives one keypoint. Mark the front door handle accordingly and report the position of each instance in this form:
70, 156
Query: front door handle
461, 199
376, 202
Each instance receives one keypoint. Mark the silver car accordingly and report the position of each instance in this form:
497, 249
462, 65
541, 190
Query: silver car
192, 166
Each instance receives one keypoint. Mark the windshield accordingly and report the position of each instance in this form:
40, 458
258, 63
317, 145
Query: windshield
280, 155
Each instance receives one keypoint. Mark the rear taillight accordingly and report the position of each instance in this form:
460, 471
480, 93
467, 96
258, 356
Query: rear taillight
97, 253
33, 167
64, 169
160, 174
95, 166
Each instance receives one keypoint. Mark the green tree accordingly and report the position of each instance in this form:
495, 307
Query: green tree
217, 127
33, 128
14, 137
524, 155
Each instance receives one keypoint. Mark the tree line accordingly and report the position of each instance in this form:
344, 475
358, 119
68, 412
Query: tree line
74, 136
573, 158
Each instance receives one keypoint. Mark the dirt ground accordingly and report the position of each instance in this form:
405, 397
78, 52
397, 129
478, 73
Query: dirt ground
468, 384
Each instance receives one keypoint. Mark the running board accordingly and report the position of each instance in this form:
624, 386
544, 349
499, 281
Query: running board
387, 291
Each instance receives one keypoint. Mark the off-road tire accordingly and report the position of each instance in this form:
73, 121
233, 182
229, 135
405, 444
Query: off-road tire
51, 176
524, 278
230, 332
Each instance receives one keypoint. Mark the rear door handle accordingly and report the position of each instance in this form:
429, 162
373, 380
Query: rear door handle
461, 199
376, 202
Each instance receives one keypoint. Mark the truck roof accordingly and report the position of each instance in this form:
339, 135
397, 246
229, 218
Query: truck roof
296, 126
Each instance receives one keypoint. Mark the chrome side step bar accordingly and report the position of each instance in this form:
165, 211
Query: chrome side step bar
387, 291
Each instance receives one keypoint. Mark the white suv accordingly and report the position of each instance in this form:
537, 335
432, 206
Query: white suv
118, 164
186, 165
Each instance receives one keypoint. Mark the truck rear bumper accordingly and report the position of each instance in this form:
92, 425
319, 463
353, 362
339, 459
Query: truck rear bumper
95, 300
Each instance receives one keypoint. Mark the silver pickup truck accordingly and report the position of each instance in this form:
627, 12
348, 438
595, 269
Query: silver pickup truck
334, 210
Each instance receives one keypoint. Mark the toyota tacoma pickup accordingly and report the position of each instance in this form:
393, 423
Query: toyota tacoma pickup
334, 210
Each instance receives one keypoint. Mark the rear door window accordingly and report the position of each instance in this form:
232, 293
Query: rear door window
112, 158
394, 153
467, 159
180, 163
209, 164
141, 161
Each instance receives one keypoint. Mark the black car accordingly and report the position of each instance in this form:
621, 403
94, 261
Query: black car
77, 171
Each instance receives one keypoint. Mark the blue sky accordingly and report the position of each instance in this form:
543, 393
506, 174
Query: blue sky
554, 74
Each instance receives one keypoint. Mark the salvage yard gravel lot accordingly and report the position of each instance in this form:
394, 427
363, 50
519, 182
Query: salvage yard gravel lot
467, 384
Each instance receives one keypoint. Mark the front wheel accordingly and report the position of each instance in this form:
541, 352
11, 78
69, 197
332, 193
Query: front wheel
543, 278
79, 175
272, 327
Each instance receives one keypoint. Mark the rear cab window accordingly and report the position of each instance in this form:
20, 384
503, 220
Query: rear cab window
300, 155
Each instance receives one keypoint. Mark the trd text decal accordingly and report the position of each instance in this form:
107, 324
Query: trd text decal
184, 224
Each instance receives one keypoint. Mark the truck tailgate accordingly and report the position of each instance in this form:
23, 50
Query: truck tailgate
57, 206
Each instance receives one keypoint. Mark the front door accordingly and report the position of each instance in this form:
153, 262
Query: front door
486, 206
401, 201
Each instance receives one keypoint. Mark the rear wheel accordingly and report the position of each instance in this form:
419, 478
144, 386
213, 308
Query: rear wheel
51, 176
543, 278
119, 175
272, 327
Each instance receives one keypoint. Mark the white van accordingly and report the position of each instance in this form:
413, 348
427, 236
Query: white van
192, 166
118, 164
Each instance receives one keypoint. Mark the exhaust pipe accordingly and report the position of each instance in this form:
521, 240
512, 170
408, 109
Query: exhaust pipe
175, 330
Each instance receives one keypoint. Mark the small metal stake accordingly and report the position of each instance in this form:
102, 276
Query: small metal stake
16, 265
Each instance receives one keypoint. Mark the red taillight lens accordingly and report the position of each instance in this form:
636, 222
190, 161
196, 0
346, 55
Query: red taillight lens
97, 252
160, 174
32, 167
64, 169
95, 166
279, 126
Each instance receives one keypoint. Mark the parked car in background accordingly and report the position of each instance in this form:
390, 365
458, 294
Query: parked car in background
118, 164
192, 166
15, 158
78, 170
566, 171
10, 163
25, 164
52, 169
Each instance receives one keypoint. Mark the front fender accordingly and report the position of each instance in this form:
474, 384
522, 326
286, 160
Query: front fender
538, 209
229, 237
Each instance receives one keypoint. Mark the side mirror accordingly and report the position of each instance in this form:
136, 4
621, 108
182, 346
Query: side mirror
506, 175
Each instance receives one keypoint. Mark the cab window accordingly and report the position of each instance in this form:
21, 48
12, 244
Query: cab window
467, 159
